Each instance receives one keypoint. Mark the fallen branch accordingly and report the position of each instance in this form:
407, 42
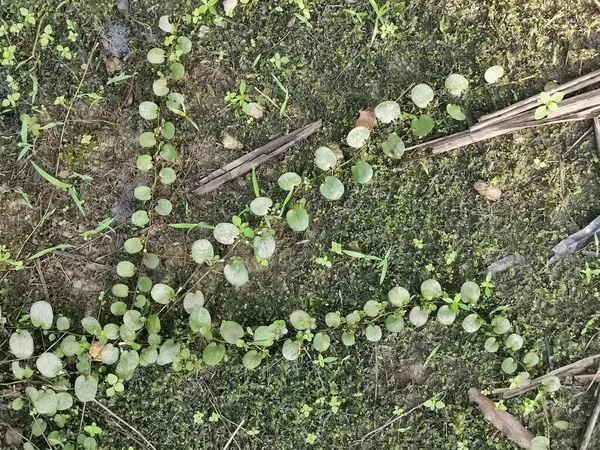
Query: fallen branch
502, 420
589, 429
254, 159
565, 371
233, 435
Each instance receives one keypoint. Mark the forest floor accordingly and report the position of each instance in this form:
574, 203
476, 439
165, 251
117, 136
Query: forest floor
424, 210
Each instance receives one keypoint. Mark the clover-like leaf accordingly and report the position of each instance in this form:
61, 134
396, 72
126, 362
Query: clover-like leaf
321, 342
418, 317
86, 387
387, 111
300, 320
399, 296
260, 206
362, 172
422, 95
236, 273
325, 159
332, 188
393, 147
493, 74
288, 181
41, 314
291, 350
49, 365
21, 344
455, 112
445, 315
297, 219
456, 84
226, 233
213, 353
148, 110
156, 56
162, 293
358, 136
231, 331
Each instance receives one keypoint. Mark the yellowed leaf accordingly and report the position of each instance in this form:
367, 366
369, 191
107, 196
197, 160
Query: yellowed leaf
366, 118
96, 349
487, 191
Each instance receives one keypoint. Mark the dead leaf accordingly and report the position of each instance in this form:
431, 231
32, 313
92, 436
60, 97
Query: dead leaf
255, 110
229, 6
96, 349
113, 65
14, 436
366, 118
335, 148
231, 143
502, 420
488, 191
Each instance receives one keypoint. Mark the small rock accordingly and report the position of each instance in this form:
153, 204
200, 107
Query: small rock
123, 5
64, 174
488, 191
14, 436
256, 110
231, 143
113, 65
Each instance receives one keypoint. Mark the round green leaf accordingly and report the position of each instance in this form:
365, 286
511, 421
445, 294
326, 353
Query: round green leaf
133, 319
353, 318
148, 356
470, 292
133, 245
362, 172
128, 362
168, 352
561, 425
160, 88
333, 320
291, 350
109, 354
127, 334
148, 110
231, 331
62, 323
144, 284
41, 314
165, 25
288, 181
140, 218
422, 126
358, 136
551, 383
200, 320
371, 308
531, 359
251, 360
387, 111
472, 323
193, 300
162, 293
156, 56
325, 159
300, 320
111, 330
421, 95
445, 315
177, 71
202, 251
153, 324
264, 246
163, 207
48, 365
297, 219
393, 147
431, 289
46, 402
118, 308
373, 333
144, 163
540, 443
126, 269
493, 74
167, 130
236, 273
332, 188
184, 45
260, 206
509, 365
394, 324
21, 344
91, 325
150, 260
120, 290
455, 112
491, 345
321, 342
64, 401
213, 353
147, 139
225, 233
264, 336
167, 175
399, 296
348, 338
69, 346
500, 325
418, 317
456, 84
168, 152
514, 342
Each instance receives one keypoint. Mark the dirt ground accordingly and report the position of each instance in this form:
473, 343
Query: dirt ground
424, 209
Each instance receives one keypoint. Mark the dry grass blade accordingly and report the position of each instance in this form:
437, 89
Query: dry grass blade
503, 421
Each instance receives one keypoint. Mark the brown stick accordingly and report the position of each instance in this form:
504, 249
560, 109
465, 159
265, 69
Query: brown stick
569, 369
255, 158
566, 88
597, 134
589, 429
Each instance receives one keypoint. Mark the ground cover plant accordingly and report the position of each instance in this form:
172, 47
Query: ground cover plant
334, 298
